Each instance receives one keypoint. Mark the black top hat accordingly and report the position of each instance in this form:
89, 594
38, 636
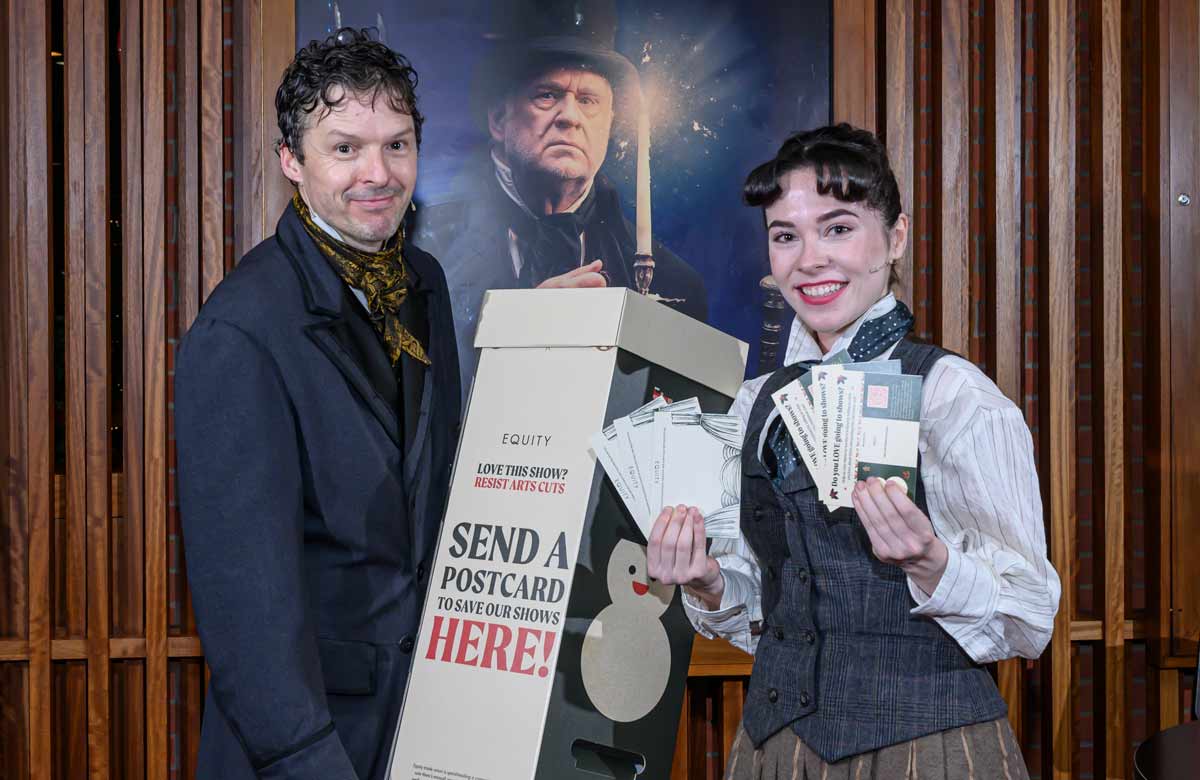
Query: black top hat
532, 35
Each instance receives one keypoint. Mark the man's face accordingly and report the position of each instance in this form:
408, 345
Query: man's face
557, 125
359, 169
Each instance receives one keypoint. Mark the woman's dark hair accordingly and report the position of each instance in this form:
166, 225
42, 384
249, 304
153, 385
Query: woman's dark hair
850, 164
349, 62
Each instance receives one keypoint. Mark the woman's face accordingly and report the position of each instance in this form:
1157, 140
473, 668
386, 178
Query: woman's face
830, 258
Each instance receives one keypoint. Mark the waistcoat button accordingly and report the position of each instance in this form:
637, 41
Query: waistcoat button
804, 699
779, 634
406, 645
772, 695
770, 572
802, 575
809, 637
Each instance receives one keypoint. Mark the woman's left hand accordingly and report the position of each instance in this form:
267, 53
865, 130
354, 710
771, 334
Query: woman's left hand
900, 532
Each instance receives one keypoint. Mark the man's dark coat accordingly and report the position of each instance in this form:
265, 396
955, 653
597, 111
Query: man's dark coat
312, 482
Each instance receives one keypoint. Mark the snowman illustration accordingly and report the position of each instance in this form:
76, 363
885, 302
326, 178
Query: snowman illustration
626, 657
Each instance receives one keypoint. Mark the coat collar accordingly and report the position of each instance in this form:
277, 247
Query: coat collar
321, 285
325, 298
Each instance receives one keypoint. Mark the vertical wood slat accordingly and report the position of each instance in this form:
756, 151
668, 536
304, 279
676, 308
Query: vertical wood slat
11, 569
1116, 743
153, 256
131, 286
1168, 698
76, 202
1005, 227
96, 363
248, 144
1182, 247
1059, 181
1159, 208
32, 490
13, 618
733, 698
898, 125
679, 766
854, 51
278, 49
154, 759
187, 155
953, 211
1006, 70
212, 143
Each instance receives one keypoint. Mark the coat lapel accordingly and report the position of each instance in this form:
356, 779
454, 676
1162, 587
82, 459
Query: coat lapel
332, 330
435, 431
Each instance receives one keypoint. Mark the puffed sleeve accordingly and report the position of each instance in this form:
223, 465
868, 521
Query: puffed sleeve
741, 604
999, 593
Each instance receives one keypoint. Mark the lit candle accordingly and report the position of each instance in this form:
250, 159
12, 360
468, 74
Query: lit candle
643, 180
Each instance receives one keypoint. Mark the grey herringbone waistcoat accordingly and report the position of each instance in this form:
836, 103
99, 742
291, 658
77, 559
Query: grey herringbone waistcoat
840, 659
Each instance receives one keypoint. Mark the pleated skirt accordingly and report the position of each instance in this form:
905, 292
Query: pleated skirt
982, 751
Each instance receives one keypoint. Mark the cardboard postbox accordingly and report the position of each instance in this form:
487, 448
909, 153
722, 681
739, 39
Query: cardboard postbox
544, 649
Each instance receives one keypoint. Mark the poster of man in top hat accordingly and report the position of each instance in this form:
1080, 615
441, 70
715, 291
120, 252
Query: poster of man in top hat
579, 143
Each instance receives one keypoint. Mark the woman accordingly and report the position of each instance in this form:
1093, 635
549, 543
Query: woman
868, 625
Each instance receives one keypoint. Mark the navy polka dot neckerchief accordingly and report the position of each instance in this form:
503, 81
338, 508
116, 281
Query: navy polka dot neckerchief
873, 338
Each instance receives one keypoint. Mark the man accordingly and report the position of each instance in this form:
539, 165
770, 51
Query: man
537, 212
317, 407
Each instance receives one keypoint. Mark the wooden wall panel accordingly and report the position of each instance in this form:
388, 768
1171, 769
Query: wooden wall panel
131, 615
153, 317
1114, 400
1005, 227
1003, 84
278, 48
898, 119
1182, 208
70, 719
266, 35
71, 557
212, 148
32, 434
14, 722
249, 218
1060, 320
96, 375
854, 46
953, 206
127, 749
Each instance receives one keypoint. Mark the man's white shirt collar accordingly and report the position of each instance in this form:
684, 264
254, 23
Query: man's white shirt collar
329, 229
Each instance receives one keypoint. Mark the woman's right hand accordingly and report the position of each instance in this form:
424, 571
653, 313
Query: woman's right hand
676, 555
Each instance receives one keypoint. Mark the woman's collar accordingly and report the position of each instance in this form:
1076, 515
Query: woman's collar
803, 343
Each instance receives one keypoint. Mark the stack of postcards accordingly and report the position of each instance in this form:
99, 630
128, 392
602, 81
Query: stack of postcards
852, 421
665, 454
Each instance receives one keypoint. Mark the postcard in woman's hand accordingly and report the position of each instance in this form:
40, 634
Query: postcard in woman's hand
662, 454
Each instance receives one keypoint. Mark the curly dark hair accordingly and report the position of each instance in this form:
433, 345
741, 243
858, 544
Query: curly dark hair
850, 163
353, 61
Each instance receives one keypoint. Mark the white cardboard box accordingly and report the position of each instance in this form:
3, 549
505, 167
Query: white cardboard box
544, 651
